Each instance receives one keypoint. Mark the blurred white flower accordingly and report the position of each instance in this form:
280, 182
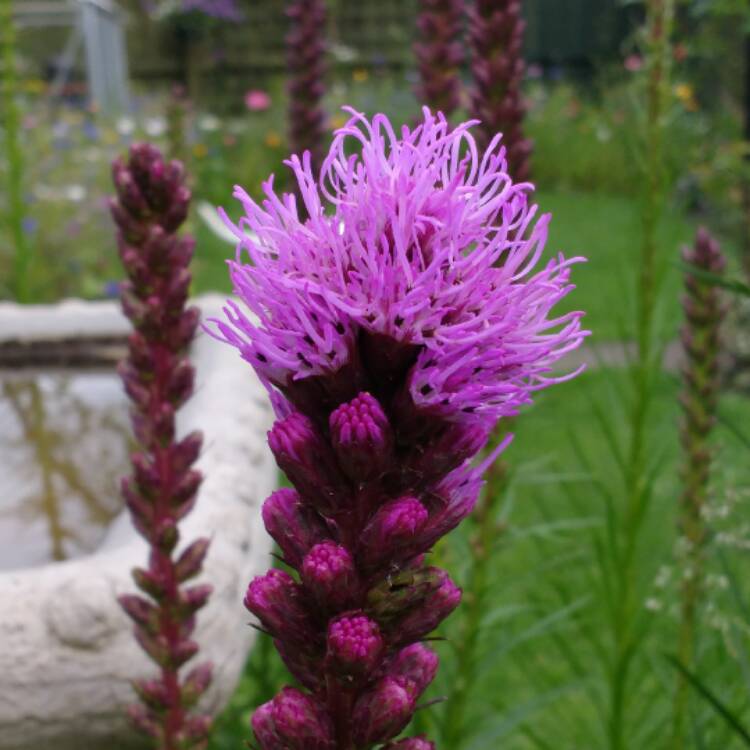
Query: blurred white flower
154, 126
125, 126
209, 123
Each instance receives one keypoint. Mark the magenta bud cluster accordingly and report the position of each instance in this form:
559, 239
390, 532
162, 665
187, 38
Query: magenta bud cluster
151, 203
355, 529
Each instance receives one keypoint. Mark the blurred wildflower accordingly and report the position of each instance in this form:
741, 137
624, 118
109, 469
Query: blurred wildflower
686, 95
74, 193
29, 224
111, 289
360, 75
200, 150
154, 126
680, 52
257, 100
633, 63
209, 123
35, 86
125, 126
534, 71
272, 139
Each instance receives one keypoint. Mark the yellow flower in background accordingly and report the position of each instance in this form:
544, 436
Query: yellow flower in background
360, 75
338, 121
35, 86
110, 137
685, 93
200, 150
272, 139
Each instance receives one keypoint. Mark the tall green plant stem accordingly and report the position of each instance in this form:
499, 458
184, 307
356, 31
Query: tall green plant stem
659, 24
482, 543
11, 125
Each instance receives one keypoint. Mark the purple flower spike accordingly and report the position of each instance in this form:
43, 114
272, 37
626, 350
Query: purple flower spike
354, 644
394, 319
328, 571
362, 438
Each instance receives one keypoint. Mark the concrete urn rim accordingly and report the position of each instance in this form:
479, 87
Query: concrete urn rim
67, 652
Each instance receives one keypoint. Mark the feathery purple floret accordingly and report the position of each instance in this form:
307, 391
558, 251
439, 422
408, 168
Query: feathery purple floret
426, 242
392, 327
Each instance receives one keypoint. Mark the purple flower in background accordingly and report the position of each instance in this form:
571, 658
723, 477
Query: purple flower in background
393, 327
257, 101
221, 10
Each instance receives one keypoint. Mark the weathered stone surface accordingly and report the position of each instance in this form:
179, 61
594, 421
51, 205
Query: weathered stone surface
66, 651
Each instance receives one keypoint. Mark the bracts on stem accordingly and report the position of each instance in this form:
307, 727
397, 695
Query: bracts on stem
151, 203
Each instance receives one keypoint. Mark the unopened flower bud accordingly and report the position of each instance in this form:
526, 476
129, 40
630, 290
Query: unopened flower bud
303, 661
457, 443
328, 571
300, 721
411, 743
274, 599
294, 525
362, 438
263, 726
416, 665
427, 616
195, 684
383, 712
189, 563
391, 534
354, 644
305, 458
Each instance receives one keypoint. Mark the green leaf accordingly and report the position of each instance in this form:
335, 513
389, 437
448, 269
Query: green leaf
710, 697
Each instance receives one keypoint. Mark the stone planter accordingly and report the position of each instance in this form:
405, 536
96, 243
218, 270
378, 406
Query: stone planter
66, 650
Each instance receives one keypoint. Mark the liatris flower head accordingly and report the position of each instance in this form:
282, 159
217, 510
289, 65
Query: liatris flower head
394, 318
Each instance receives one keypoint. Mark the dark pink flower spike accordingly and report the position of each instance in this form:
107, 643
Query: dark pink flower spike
152, 202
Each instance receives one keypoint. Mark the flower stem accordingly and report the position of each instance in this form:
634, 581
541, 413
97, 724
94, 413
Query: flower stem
660, 17
483, 541
13, 154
